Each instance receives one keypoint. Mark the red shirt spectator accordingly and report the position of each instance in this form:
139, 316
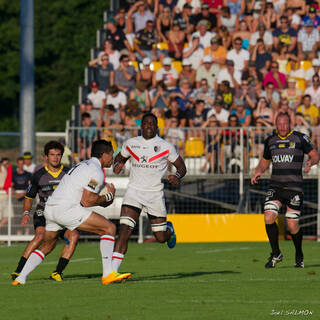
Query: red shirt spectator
277, 78
215, 5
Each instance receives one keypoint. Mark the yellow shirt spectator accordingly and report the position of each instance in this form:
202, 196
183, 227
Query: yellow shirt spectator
218, 53
310, 114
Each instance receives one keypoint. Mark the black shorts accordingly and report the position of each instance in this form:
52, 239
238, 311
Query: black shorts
38, 219
290, 198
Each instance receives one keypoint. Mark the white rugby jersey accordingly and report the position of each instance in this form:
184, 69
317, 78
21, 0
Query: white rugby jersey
87, 175
149, 161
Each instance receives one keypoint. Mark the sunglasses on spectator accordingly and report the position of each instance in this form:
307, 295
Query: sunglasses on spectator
104, 59
238, 43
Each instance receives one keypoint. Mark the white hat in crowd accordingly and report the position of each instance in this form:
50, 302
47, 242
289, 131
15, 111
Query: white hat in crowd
146, 61
186, 62
207, 59
166, 61
316, 62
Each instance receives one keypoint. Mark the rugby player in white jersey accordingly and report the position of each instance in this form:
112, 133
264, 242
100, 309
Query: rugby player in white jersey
149, 161
69, 207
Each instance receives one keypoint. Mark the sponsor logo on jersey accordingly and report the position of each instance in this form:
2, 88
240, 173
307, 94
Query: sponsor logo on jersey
292, 145
47, 188
156, 148
282, 158
143, 159
281, 145
135, 147
274, 146
92, 184
144, 166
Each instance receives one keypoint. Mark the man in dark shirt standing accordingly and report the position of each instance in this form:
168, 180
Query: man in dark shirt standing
285, 149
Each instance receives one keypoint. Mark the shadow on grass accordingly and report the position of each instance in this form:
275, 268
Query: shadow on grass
179, 275
182, 275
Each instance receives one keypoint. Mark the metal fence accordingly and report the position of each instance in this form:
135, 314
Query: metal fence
220, 162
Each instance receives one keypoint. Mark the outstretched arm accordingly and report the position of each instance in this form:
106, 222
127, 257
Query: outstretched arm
180, 173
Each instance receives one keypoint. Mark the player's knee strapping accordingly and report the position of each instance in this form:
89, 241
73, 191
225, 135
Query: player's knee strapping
271, 207
128, 221
158, 227
293, 215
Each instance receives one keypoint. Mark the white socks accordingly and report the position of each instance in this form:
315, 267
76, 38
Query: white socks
116, 260
36, 257
106, 249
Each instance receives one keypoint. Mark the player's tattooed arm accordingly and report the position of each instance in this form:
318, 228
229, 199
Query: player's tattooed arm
119, 163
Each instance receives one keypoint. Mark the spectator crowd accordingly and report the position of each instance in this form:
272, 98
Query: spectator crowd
207, 66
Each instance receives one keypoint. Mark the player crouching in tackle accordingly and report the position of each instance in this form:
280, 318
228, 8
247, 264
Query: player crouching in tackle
43, 183
149, 161
69, 207
285, 149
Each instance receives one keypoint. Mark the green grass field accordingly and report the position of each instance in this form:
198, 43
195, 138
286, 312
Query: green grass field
193, 281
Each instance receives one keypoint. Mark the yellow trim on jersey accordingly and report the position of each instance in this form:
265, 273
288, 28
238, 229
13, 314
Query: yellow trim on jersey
285, 137
54, 174
266, 159
28, 198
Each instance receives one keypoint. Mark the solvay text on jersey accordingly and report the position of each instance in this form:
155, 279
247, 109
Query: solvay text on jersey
282, 158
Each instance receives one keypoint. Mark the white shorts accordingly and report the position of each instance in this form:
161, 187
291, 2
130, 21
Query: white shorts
151, 201
59, 217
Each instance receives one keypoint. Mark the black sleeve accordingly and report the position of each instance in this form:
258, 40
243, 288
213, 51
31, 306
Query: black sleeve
306, 144
34, 185
266, 152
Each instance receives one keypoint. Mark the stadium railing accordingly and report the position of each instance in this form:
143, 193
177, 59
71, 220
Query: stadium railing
201, 191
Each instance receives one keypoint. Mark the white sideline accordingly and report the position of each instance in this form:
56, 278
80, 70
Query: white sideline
223, 250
